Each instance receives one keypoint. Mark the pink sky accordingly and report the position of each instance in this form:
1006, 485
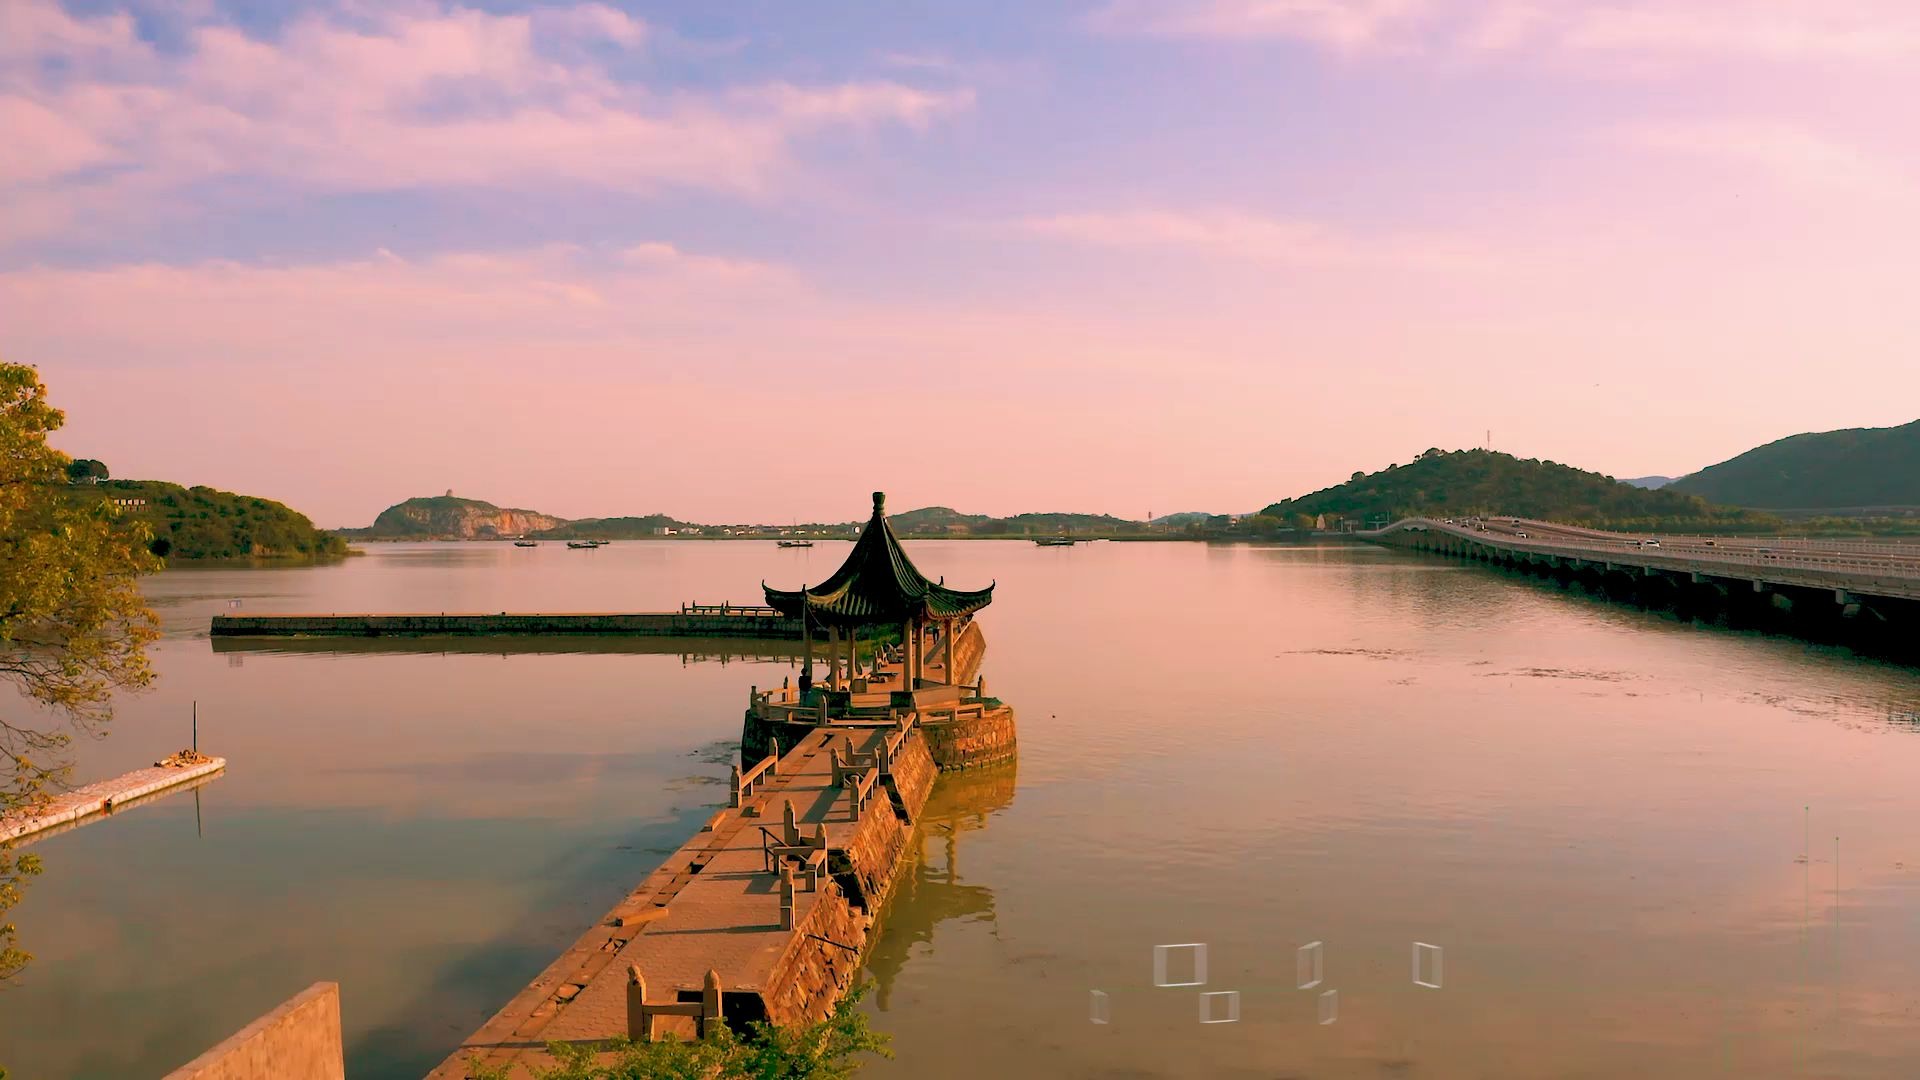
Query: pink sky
1106, 257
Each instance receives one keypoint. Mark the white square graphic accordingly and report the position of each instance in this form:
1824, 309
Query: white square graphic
1431, 954
1099, 1009
1217, 1002
1309, 965
1329, 1007
1197, 954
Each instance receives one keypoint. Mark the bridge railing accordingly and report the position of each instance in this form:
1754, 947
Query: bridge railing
1680, 558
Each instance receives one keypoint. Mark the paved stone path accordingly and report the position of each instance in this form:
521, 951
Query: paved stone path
722, 912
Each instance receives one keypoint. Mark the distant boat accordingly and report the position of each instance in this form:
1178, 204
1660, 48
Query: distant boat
1055, 541
583, 543
526, 543
796, 543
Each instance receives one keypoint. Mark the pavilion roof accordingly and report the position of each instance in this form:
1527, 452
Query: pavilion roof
877, 585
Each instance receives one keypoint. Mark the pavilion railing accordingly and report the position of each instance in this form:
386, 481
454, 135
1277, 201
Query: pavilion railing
753, 611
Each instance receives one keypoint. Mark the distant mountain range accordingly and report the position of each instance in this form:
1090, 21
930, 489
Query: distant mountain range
451, 517
1852, 469
1859, 468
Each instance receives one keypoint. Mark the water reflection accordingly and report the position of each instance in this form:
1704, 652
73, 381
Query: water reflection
931, 890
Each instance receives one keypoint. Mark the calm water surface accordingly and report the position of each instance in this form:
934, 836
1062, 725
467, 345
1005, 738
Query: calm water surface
1621, 830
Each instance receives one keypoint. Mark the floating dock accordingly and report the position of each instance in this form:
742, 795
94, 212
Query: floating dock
107, 796
691, 621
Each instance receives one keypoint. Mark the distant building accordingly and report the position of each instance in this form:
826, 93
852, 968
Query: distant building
129, 502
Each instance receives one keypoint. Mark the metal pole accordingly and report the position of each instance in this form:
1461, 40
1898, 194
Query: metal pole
196, 726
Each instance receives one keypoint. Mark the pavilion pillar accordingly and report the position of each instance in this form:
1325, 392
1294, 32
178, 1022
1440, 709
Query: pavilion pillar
946, 635
906, 654
806, 639
833, 657
853, 653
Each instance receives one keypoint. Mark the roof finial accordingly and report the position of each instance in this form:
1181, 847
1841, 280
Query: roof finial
879, 502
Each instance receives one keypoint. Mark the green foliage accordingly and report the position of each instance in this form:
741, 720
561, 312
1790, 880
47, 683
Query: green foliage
86, 469
828, 1050
1857, 467
205, 523
613, 528
1482, 482
73, 625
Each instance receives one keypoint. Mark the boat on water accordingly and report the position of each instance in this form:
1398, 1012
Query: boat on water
1055, 541
583, 543
526, 543
796, 543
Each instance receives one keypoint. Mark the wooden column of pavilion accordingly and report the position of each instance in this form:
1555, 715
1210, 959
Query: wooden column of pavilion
879, 586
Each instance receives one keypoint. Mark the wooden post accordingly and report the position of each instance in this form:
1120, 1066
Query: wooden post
733, 788
789, 830
710, 1005
639, 1024
773, 751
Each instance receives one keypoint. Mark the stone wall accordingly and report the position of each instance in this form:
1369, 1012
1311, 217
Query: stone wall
972, 741
971, 650
300, 1040
813, 975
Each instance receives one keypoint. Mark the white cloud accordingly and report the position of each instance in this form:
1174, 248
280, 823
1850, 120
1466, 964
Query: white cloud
401, 98
1762, 29
1251, 236
1786, 152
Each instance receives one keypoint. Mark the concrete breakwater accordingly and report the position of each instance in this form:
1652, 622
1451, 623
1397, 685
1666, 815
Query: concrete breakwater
711, 621
82, 803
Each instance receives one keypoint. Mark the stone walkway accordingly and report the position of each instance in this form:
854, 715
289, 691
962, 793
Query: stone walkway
711, 905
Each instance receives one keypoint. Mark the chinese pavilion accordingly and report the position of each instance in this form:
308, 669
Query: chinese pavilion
878, 586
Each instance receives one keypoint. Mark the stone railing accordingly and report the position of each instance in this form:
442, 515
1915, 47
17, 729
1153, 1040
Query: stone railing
641, 1012
740, 784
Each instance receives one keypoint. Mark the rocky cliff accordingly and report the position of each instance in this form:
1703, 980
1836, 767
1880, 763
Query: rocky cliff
448, 516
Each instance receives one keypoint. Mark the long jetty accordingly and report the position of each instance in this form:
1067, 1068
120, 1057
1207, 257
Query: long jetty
89, 802
767, 912
691, 621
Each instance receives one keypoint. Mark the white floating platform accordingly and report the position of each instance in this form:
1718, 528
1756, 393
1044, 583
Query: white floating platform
106, 796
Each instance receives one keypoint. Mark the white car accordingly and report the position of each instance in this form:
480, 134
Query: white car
1649, 543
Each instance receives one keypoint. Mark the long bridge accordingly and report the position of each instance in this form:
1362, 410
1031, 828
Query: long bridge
1867, 582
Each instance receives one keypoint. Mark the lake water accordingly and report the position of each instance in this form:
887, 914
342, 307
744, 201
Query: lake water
1619, 830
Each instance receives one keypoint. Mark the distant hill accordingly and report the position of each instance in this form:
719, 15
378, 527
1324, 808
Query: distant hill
448, 516
1648, 482
206, 523
1183, 519
615, 528
1853, 468
1484, 482
945, 521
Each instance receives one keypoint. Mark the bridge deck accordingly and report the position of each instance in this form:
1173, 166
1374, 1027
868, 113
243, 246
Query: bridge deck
1889, 570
